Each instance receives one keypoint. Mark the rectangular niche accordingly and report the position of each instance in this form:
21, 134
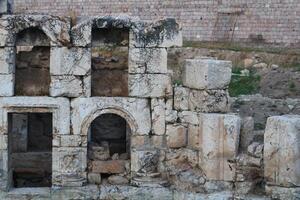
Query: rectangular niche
32, 70
110, 62
30, 149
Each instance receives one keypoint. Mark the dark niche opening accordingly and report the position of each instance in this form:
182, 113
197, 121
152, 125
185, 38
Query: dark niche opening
108, 149
32, 70
110, 62
30, 149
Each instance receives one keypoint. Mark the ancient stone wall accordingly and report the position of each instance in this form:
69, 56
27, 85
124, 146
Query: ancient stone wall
179, 141
254, 21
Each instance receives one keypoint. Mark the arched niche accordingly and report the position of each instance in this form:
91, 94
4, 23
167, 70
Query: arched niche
32, 64
108, 134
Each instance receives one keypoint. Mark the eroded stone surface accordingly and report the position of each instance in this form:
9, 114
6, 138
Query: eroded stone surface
219, 139
135, 111
149, 85
206, 74
281, 150
147, 60
56, 28
70, 61
176, 136
211, 101
70, 86
181, 96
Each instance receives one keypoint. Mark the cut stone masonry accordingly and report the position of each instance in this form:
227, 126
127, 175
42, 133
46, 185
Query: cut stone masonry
156, 140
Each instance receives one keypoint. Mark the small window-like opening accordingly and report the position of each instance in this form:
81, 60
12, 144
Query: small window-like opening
32, 76
30, 149
108, 148
110, 62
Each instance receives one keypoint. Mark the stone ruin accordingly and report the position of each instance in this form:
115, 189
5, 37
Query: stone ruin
89, 111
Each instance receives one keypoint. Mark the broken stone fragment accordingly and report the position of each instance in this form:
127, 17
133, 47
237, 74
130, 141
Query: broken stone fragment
207, 74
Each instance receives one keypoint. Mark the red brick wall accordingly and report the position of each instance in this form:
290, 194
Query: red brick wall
269, 21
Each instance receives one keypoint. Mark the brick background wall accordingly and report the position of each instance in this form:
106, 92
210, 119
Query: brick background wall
268, 21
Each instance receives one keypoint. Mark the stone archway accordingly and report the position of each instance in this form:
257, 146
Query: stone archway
108, 157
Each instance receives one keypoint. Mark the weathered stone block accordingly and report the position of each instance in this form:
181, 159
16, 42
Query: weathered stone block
189, 117
94, 178
82, 33
281, 150
60, 107
70, 61
209, 101
163, 33
7, 85
206, 74
147, 60
144, 161
135, 111
7, 60
69, 159
70, 86
181, 96
55, 28
176, 136
149, 85
109, 166
219, 139
158, 115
